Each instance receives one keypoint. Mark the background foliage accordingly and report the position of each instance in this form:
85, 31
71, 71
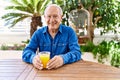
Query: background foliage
105, 51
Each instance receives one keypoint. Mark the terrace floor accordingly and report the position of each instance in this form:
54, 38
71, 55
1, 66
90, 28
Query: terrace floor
13, 54
10, 54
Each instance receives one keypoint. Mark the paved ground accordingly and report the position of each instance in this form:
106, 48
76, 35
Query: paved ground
13, 38
13, 54
10, 54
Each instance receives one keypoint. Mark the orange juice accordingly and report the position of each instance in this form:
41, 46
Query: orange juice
44, 57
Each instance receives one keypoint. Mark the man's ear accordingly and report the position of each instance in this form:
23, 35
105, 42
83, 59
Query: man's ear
62, 17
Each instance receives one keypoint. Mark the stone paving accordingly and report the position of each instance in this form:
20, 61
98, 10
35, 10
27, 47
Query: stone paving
10, 54
14, 54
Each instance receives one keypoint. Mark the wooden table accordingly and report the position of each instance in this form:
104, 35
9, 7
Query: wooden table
16, 69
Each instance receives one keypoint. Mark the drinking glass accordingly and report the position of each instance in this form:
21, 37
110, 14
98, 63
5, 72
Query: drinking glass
44, 57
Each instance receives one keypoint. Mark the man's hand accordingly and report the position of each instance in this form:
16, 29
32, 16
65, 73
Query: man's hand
55, 62
37, 63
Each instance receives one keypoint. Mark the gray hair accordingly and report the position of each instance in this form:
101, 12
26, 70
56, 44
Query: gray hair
55, 5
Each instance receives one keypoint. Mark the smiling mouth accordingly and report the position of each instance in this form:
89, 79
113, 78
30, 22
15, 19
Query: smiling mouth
53, 24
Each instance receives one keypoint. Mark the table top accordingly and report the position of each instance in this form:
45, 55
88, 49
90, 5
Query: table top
16, 69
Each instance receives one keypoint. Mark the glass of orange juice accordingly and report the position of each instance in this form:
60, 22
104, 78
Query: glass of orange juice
44, 57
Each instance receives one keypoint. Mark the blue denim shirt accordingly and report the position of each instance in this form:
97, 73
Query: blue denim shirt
65, 44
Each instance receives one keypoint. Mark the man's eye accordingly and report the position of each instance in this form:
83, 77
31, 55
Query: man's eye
48, 16
55, 16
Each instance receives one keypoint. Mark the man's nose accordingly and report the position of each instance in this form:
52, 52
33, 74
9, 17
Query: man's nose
52, 19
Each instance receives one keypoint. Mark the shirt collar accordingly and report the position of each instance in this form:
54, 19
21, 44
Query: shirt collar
60, 29
45, 29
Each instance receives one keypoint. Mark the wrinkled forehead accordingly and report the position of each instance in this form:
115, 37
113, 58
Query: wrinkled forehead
53, 9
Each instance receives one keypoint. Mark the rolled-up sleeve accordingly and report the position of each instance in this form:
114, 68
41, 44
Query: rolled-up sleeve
74, 53
30, 50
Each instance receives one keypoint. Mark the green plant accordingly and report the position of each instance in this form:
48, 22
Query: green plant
103, 14
4, 47
14, 47
105, 51
88, 47
115, 58
101, 51
97, 10
115, 54
22, 9
26, 42
18, 47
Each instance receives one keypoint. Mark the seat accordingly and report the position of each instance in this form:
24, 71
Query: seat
79, 20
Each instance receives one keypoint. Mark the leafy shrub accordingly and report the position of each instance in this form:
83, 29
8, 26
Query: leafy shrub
109, 51
101, 51
14, 47
88, 47
4, 47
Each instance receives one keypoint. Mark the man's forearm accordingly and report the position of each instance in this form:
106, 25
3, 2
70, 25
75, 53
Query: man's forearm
27, 56
71, 57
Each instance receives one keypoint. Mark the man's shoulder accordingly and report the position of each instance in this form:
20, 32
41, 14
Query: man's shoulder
40, 29
67, 28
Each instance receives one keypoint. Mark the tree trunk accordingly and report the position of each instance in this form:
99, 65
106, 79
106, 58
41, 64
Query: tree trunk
36, 21
91, 28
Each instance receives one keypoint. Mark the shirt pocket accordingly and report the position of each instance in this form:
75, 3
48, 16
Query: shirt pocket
44, 46
63, 47
62, 44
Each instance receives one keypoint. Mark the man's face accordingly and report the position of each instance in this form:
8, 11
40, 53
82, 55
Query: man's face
53, 18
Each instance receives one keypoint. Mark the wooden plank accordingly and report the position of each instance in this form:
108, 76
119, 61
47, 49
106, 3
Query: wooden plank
81, 70
8, 78
32, 74
12, 67
11, 63
77, 75
15, 71
26, 72
62, 78
9, 74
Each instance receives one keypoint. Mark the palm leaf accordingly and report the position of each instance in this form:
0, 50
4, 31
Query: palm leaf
14, 21
24, 5
12, 18
16, 2
25, 2
32, 2
8, 15
9, 7
38, 6
30, 8
18, 20
9, 18
22, 9
27, 8
44, 6
41, 6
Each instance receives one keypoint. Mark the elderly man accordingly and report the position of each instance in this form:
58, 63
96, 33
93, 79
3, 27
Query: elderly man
60, 40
